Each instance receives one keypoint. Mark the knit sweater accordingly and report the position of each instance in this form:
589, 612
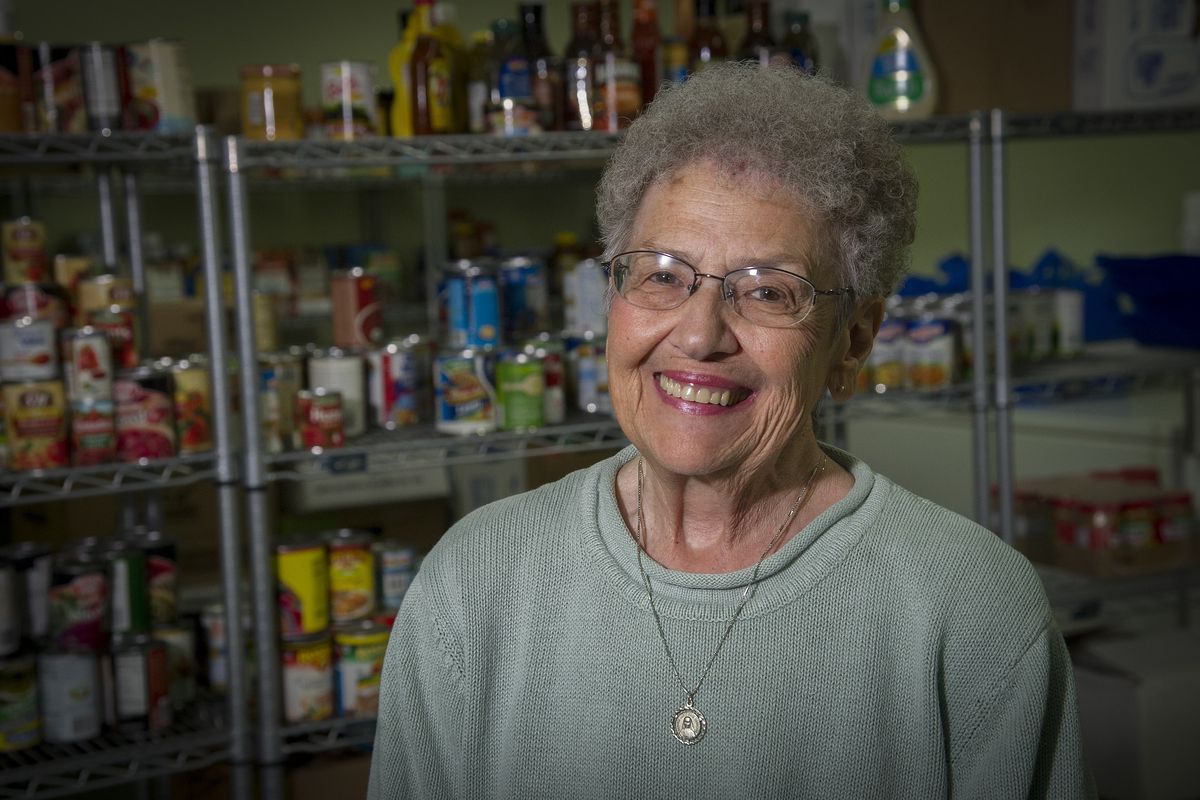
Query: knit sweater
891, 649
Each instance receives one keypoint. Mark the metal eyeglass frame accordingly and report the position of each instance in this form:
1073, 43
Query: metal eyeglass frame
726, 294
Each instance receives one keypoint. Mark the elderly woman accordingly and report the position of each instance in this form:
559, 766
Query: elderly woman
729, 608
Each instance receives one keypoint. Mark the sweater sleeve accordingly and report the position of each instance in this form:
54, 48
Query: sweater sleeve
1025, 741
418, 738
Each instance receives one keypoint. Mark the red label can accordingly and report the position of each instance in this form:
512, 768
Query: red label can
93, 432
193, 408
357, 319
319, 420
36, 425
145, 409
87, 354
117, 325
37, 300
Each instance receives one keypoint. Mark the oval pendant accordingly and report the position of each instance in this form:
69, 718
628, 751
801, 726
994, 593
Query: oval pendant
689, 725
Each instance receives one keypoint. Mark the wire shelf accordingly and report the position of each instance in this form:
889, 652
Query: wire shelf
97, 148
23, 488
1028, 126
333, 734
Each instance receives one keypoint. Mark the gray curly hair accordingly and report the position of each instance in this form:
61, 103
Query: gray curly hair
822, 143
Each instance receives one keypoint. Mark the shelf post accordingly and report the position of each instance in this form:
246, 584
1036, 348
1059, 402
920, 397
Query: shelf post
241, 748
262, 562
1004, 444
980, 405
134, 235
108, 219
433, 195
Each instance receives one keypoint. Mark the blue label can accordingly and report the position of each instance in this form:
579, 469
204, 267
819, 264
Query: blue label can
526, 297
465, 398
470, 299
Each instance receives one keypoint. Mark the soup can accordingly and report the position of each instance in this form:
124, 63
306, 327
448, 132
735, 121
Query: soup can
398, 390
307, 679
180, 642
351, 575
117, 325
395, 566
193, 406
160, 86
20, 722
520, 392
357, 316
70, 695
145, 409
162, 575
302, 569
348, 100
358, 650
526, 296
102, 292
585, 297
78, 601
93, 432
141, 683
933, 353
36, 425
464, 393
591, 370
280, 378
24, 242
889, 371
37, 300
33, 565
342, 371
67, 272
28, 351
58, 90
549, 349
470, 303
319, 420
10, 611
104, 91
87, 354
128, 587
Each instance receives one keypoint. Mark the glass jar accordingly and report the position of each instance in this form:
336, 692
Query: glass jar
271, 102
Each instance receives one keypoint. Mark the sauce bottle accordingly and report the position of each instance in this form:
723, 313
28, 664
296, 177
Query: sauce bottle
511, 111
399, 62
618, 80
799, 42
544, 69
432, 72
757, 44
478, 81
445, 15
647, 47
579, 69
900, 79
706, 45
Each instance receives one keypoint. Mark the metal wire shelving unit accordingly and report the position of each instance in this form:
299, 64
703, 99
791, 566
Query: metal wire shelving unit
27, 488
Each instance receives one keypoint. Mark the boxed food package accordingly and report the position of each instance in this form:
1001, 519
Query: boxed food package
1136, 54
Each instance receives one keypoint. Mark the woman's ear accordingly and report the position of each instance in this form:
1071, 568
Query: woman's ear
853, 348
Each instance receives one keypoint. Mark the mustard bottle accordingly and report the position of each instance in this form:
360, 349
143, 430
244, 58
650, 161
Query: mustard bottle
399, 61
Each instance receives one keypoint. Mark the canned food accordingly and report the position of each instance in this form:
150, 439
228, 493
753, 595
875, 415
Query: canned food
141, 683
193, 408
302, 570
145, 410
117, 326
162, 576
37, 300
1068, 322
395, 564
69, 690
32, 565
271, 102
93, 432
24, 251
280, 378
78, 601
307, 679
343, 372
69, 271
591, 371
889, 371
470, 303
160, 87
89, 363
181, 663
358, 663
397, 383
348, 100
58, 90
36, 424
549, 350
20, 723
357, 316
351, 575
266, 321
585, 297
526, 297
103, 292
933, 353
464, 394
520, 392
128, 587
318, 419
10, 613
103, 89
28, 351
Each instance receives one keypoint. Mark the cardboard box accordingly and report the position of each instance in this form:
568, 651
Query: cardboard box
1139, 710
1136, 54
177, 328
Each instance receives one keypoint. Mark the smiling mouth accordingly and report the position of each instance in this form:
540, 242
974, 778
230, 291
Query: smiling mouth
702, 394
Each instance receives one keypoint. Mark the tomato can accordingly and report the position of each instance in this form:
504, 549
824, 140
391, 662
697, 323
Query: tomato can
33, 564
20, 722
105, 91
464, 393
358, 651
145, 408
28, 351
78, 600
141, 684
280, 377
116, 324
395, 566
70, 694
160, 86
193, 407
180, 642
24, 251
319, 420
348, 100
10, 611
87, 354
36, 422
342, 371
398, 390
357, 316
93, 432
470, 303
102, 292
37, 300
307, 679
162, 575
128, 587
351, 575
302, 571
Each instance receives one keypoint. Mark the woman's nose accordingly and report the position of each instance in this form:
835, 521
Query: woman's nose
702, 328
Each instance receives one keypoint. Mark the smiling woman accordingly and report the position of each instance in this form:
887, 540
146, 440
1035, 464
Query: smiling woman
729, 607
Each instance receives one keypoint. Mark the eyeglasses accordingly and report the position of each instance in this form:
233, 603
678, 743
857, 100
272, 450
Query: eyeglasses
773, 298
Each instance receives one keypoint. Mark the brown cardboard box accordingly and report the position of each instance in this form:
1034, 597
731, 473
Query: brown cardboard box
177, 328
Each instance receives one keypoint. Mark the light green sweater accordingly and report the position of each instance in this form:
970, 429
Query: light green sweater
892, 649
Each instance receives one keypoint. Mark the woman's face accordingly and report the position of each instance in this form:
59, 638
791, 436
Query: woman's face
774, 376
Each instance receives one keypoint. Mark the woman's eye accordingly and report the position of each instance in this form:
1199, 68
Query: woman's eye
768, 294
663, 278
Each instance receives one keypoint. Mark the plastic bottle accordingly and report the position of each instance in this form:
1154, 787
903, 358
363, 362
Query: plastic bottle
478, 81
618, 79
901, 81
399, 60
512, 110
445, 17
544, 69
707, 44
799, 42
579, 67
432, 72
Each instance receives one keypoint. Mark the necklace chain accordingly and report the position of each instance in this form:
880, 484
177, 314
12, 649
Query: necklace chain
737, 612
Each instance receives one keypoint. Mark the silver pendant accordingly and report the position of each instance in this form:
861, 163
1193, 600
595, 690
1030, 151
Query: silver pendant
689, 725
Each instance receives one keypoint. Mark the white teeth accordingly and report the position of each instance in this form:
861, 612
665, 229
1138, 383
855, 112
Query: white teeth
701, 394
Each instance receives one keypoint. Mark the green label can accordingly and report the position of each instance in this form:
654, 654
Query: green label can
520, 391
130, 607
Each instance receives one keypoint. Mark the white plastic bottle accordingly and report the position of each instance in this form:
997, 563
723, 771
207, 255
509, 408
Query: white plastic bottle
900, 78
